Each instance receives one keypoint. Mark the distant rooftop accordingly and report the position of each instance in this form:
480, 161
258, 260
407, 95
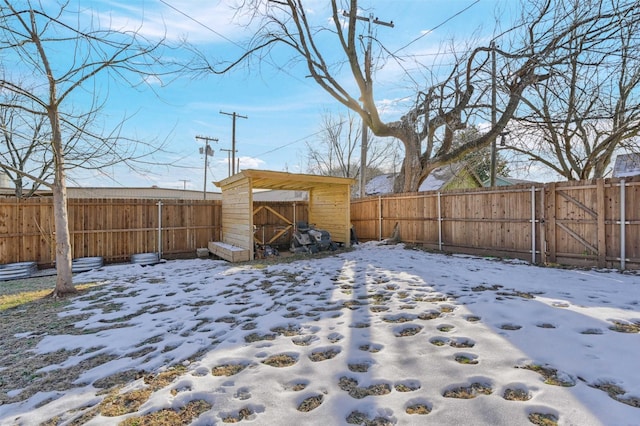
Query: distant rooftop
626, 165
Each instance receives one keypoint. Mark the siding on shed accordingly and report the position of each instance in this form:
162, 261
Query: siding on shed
237, 214
329, 209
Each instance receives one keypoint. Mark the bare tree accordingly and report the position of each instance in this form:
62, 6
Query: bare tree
32, 39
547, 30
336, 152
591, 109
24, 147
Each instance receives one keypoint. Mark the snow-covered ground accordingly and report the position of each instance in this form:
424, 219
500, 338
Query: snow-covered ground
373, 333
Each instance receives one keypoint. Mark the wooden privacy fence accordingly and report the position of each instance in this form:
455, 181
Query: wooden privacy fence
117, 228
584, 223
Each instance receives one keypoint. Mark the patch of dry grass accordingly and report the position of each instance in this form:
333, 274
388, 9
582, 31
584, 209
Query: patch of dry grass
616, 392
516, 395
289, 331
116, 403
310, 403
418, 409
280, 360
359, 368
350, 385
542, 419
16, 293
550, 375
323, 355
625, 327
256, 337
406, 387
429, 315
167, 417
358, 418
242, 414
27, 317
468, 392
465, 359
228, 369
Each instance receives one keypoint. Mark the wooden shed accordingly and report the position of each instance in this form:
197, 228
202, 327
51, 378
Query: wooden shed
329, 207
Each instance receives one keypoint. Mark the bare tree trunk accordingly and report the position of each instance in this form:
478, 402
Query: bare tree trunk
64, 281
412, 170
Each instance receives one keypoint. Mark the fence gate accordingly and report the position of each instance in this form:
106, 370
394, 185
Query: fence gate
575, 224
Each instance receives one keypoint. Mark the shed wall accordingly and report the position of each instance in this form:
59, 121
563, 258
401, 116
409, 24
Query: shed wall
237, 215
329, 209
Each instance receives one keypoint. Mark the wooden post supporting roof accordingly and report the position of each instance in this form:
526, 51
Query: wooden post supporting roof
329, 203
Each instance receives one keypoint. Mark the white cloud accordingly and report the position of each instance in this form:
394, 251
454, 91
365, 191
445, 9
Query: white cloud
198, 22
250, 163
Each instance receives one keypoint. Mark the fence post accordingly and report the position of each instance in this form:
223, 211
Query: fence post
159, 204
623, 219
439, 223
379, 218
551, 222
543, 228
533, 224
601, 230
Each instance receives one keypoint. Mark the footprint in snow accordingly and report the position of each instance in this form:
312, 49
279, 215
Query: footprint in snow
281, 360
407, 386
407, 330
546, 325
510, 326
335, 337
469, 391
324, 354
418, 406
439, 341
371, 348
466, 358
462, 342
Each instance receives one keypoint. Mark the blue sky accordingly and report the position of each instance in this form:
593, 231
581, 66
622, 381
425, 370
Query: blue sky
283, 107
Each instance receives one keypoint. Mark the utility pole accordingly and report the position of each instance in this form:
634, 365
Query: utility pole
184, 183
494, 148
234, 115
368, 81
228, 151
207, 151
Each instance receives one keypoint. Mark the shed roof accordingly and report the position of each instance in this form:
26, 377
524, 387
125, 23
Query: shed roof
267, 179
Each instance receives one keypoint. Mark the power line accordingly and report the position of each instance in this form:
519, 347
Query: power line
437, 26
201, 24
266, 59
297, 140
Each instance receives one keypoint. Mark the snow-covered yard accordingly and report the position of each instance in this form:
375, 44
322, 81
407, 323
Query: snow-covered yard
377, 335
